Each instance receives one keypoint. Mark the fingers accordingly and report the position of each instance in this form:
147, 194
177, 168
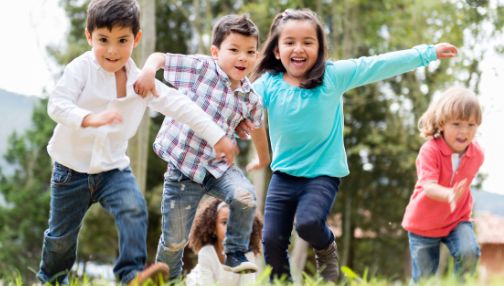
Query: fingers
140, 90
445, 50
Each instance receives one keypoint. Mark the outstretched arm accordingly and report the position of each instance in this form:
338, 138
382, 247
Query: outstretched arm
443, 194
365, 70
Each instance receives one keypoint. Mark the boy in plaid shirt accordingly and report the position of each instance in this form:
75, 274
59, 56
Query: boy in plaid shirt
218, 84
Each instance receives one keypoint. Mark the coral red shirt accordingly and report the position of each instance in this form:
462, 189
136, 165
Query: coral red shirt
427, 217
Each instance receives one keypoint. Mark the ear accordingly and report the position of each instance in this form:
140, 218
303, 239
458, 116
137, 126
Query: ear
214, 51
88, 37
277, 53
138, 37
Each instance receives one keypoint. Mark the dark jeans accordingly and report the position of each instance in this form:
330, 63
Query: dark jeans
72, 194
305, 201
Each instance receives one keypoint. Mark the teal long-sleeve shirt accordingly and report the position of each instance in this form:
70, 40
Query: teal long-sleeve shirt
306, 125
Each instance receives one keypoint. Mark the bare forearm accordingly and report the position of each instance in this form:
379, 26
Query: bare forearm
155, 61
437, 192
260, 140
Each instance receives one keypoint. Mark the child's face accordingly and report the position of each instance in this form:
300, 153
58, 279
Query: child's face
458, 134
297, 49
236, 56
221, 225
113, 48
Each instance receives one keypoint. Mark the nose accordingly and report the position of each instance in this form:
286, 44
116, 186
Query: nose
298, 47
111, 50
242, 57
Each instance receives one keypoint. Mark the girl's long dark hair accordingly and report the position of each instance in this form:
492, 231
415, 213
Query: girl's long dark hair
268, 62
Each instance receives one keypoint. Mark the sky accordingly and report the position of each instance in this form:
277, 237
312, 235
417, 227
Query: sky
28, 26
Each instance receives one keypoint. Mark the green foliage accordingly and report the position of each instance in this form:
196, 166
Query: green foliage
24, 217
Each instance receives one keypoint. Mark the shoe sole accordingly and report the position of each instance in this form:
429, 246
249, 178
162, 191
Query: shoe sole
243, 268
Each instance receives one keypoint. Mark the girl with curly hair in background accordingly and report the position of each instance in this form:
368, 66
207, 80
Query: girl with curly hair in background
207, 239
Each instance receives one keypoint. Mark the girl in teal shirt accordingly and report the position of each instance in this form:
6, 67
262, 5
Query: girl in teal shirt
303, 94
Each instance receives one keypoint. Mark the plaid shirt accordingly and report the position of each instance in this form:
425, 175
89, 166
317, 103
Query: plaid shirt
200, 78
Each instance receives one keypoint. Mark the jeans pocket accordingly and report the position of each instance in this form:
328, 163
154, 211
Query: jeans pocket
61, 174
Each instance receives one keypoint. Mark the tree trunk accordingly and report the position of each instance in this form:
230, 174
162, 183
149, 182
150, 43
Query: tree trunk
139, 145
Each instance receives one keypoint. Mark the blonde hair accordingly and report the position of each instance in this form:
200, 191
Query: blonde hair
456, 103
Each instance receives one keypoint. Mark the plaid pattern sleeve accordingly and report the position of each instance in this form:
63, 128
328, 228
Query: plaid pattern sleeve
201, 79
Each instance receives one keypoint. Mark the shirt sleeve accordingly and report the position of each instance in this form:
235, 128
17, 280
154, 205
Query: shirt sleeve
176, 105
428, 163
348, 74
182, 71
62, 106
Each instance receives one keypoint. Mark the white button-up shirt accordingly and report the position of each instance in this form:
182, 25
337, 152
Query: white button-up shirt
86, 88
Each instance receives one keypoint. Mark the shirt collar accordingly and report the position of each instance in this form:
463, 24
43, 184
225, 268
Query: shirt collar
446, 150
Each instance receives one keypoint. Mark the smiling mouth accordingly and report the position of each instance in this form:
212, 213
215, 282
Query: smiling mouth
240, 68
298, 60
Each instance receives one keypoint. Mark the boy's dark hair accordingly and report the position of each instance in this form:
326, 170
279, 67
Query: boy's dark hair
110, 13
269, 63
204, 226
228, 24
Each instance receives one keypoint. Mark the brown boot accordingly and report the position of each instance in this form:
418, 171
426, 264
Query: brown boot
328, 262
154, 272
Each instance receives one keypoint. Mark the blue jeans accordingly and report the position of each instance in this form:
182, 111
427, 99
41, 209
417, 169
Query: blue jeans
72, 194
461, 243
308, 202
181, 197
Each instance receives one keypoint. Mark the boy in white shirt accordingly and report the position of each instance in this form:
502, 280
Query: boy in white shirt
97, 111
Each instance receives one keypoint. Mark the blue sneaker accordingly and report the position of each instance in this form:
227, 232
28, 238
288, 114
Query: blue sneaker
237, 262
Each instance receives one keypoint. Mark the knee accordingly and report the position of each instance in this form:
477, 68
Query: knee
133, 206
469, 253
244, 198
172, 244
307, 227
60, 244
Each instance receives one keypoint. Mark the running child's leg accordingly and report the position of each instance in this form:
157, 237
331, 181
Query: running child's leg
70, 200
118, 193
237, 191
279, 210
181, 197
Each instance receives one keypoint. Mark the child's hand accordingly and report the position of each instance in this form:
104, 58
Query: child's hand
225, 148
145, 83
256, 164
445, 50
106, 117
243, 129
458, 191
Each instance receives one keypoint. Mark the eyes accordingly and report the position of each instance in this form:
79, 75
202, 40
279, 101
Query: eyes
236, 51
105, 40
307, 42
459, 124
